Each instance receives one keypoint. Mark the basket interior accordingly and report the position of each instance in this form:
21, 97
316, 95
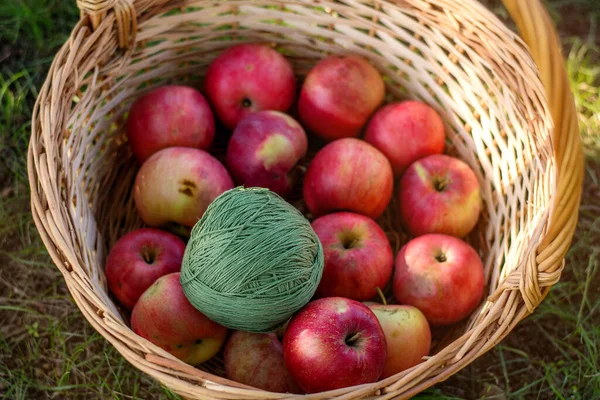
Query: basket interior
459, 59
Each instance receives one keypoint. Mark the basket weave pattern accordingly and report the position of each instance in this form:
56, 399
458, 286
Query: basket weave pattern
453, 55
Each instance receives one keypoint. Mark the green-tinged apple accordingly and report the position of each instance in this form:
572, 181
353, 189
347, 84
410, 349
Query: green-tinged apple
176, 185
440, 275
165, 317
264, 149
256, 359
407, 335
439, 194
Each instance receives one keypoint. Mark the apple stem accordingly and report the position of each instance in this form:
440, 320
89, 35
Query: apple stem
349, 242
441, 257
246, 102
441, 183
148, 255
381, 296
354, 338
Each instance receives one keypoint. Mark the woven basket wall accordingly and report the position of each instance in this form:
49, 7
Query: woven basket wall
507, 107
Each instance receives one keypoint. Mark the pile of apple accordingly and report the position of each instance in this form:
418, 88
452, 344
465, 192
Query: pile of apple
343, 336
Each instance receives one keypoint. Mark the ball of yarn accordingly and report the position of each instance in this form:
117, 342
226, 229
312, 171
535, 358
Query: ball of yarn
252, 261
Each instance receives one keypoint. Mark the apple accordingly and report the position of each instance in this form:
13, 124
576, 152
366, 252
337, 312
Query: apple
176, 185
248, 78
256, 359
439, 194
339, 95
440, 275
407, 335
138, 259
406, 132
165, 317
358, 256
264, 149
348, 174
169, 116
333, 343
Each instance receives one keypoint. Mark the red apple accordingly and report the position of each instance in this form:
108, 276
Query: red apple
248, 78
169, 116
177, 184
358, 256
165, 317
407, 335
348, 174
439, 194
138, 259
333, 343
256, 359
263, 150
440, 275
406, 132
339, 95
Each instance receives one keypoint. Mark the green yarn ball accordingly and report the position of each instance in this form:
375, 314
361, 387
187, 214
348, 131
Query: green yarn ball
252, 261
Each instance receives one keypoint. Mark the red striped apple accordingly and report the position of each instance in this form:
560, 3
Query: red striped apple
440, 275
169, 116
177, 184
165, 317
264, 149
348, 174
333, 343
339, 95
358, 256
248, 78
406, 132
256, 359
138, 259
439, 194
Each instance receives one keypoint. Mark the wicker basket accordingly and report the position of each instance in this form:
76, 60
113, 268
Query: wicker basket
452, 54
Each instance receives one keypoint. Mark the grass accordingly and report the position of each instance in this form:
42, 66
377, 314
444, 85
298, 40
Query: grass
48, 350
